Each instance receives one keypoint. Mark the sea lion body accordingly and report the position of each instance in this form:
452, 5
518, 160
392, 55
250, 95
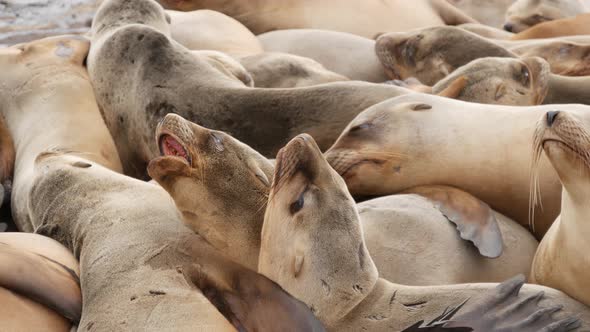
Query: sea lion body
397, 228
488, 12
561, 262
523, 14
368, 150
217, 32
174, 80
305, 206
578, 25
566, 58
344, 53
47, 89
391, 15
282, 70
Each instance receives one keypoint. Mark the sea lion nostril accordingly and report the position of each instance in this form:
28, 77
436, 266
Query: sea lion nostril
508, 27
551, 116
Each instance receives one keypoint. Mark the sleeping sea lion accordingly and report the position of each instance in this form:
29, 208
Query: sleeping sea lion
347, 16
344, 53
383, 152
488, 12
216, 31
561, 261
221, 186
500, 81
45, 82
486, 31
140, 267
304, 222
166, 78
283, 70
578, 25
566, 58
39, 284
523, 14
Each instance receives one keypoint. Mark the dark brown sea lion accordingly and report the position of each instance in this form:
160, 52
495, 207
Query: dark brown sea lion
165, 78
305, 221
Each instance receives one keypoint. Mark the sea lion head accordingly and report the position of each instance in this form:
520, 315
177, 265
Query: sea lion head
565, 138
310, 213
52, 56
113, 14
430, 54
219, 184
523, 14
566, 58
503, 81
381, 145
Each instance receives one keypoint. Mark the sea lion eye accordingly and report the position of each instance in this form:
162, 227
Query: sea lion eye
217, 141
359, 127
297, 205
526, 76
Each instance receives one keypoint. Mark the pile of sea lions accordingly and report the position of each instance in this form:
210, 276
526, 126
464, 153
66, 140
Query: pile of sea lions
299, 166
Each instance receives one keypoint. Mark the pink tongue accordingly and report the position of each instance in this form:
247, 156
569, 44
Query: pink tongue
173, 148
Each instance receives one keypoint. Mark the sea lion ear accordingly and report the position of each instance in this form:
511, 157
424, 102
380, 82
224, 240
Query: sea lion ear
473, 218
259, 173
455, 88
420, 107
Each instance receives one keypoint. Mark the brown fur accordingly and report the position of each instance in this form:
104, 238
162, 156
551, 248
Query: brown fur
7, 156
566, 58
304, 222
174, 81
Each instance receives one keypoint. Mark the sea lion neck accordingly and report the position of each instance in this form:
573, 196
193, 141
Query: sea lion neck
565, 89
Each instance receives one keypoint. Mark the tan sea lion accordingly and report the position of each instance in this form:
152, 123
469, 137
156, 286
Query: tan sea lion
523, 14
578, 25
172, 80
44, 83
488, 12
140, 266
344, 53
283, 70
500, 81
566, 58
382, 152
347, 16
305, 221
431, 54
216, 31
561, 262
39, 284
204, 170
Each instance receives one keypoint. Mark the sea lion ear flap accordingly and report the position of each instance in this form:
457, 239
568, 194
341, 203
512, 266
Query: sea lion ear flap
455, 88
473, 218
259, 173
514, 313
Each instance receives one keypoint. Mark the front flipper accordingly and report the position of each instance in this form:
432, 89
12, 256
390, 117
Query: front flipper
474, 219
500, 310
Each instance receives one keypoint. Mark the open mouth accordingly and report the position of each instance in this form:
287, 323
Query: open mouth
171, 146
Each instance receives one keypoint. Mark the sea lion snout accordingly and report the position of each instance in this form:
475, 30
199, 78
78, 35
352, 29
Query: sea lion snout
551, 116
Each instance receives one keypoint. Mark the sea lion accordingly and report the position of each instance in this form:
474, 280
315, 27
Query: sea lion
305, 221
347, 16
282, 70
166, 78
560, 261
44, 83
523, 14
486, 31
578, 25
564, 89
344, 53
501, 81
140, 266
226, 65
217, 32
566, 58
382, 152
204, 170
39, 277
490, 13
431, 54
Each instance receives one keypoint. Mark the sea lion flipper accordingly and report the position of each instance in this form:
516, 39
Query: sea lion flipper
42, 280
455, 88
501, 309
7, 155
474, 219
